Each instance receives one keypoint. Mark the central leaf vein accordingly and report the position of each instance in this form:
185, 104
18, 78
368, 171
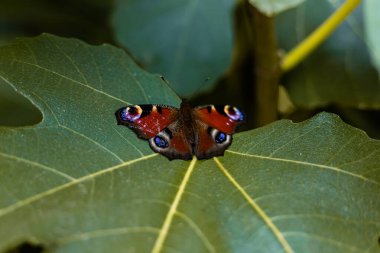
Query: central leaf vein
173, 209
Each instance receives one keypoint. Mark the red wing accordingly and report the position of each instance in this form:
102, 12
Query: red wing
146, 120
224, 118
211, 142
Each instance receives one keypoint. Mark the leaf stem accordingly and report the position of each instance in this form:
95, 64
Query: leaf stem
302, 50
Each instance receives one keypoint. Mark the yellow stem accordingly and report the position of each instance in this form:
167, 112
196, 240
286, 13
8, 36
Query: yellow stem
302, 50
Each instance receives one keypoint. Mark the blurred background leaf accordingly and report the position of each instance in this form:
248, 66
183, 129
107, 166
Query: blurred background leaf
371, 24
340, 71
186, 41
84, 19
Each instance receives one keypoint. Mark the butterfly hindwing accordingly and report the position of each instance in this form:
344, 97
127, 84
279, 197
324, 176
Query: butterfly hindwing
172, 143
211, 142
215, 126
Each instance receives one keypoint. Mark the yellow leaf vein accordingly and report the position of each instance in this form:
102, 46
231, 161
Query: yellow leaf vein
54, 190
158, 245
72, 80
93, 141
47, 168
307, 164
277, 233
197, 230
324, 240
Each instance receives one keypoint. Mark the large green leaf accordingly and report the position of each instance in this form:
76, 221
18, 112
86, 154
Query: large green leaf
340, 70
77, 182
186, 41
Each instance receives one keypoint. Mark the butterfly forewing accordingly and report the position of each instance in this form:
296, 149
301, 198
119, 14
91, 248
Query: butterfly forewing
146, 120
225, 118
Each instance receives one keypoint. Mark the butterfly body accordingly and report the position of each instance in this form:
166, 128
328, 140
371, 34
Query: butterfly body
204, 131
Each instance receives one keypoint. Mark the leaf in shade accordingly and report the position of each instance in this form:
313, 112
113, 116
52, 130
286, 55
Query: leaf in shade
339, 71
186, 41
371, 25
15, 110
77, 182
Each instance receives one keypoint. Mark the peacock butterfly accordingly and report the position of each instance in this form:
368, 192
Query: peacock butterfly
204, 131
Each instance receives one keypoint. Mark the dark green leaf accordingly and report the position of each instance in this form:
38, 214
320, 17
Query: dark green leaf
85, 19
340, 70
77, 182
185, 41
371, 25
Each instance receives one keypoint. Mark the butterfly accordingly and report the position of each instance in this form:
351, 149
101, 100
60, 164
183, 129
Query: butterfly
203, 131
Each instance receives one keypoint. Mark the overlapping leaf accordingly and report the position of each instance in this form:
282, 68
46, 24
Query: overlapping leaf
76, 182
186, 41
340, 70
371, 24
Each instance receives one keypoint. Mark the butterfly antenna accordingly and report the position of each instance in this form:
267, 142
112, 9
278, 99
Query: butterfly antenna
170, 87
207, 79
